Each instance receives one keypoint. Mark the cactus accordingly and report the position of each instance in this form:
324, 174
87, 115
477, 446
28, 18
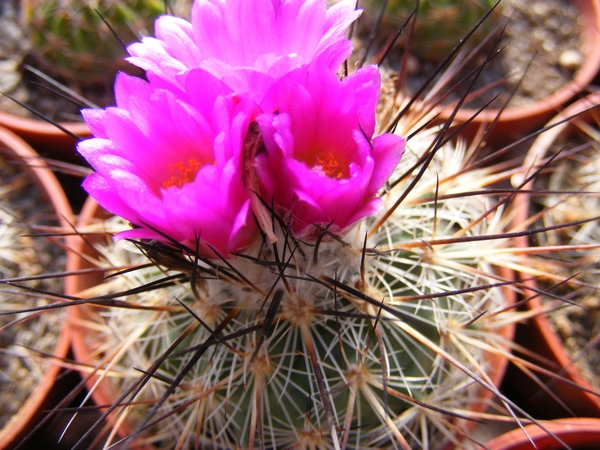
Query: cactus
351, 343
382, 338
569, 194
70, 40
581, 172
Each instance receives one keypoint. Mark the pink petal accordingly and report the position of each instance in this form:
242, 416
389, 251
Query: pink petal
387, 152
321, 167
271, 37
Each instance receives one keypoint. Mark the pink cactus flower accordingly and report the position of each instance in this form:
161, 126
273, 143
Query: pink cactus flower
170, 164
321, 165
247, 44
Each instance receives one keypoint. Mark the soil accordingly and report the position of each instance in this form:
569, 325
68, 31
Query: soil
22, 255
579, 330
544, 34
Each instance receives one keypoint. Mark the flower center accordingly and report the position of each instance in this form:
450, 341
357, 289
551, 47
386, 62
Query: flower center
182, 172
326, 164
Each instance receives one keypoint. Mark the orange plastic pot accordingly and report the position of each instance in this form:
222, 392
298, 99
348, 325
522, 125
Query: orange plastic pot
537, 335
101, 392
18, 151
578, 433
45, 137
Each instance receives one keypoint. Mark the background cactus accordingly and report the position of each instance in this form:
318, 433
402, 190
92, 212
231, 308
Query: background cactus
70, 40
570, 194
24, 336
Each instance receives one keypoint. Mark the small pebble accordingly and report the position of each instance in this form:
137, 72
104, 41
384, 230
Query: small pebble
570, 60
540, 9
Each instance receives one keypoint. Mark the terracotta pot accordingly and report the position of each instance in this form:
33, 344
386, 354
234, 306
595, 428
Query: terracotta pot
45, 137
15, 149
578, 433
103, 393
517, 122
537, 335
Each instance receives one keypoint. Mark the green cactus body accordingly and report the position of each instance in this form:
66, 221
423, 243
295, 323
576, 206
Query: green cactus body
326, 346
70, 40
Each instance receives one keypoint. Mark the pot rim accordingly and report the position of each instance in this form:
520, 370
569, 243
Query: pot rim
572, 431
533, 159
